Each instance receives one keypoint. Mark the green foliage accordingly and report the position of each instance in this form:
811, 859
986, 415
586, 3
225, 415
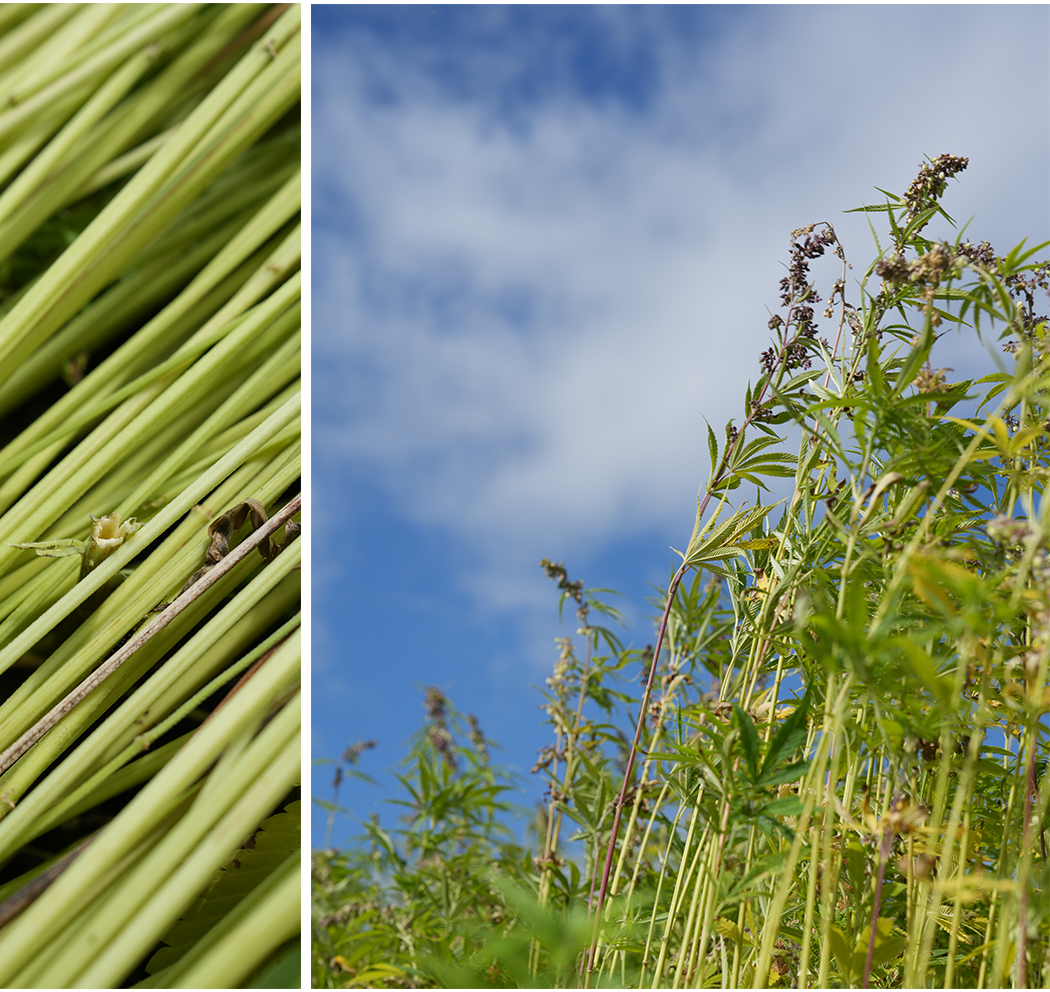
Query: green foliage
838, 774
424, 895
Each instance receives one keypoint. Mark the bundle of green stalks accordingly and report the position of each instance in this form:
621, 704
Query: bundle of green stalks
149, 490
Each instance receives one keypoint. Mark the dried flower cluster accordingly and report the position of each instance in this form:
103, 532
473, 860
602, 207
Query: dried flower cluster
1008, 530
931, 182
797, 296
477, 736
796, 290
439, 735
354, 751
927, 271
931, 380
574, 590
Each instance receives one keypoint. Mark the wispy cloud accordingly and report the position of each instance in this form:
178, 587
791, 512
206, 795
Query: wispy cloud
528, 294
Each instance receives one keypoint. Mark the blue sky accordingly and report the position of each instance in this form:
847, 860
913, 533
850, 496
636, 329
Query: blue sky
546, 244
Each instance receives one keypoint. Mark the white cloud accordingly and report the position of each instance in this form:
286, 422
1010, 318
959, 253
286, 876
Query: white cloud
517, 327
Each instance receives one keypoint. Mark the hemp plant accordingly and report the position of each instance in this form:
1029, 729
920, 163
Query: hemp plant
877, 815
429, 897
835, 770
149, 480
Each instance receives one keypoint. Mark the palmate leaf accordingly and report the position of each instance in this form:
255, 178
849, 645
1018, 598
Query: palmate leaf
789, 736
1008, 443
727, 539
771, 466
773, 463
752, 448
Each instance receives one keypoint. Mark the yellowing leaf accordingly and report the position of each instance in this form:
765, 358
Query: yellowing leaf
1008, 444
729, 930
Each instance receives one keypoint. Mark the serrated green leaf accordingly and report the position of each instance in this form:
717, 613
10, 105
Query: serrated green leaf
753, 479
759, 544
763, 866
282, 970
779, 776
789, 735
787, 806
770, 461
923, 669
1016, 260
995, 391
748, 739
277, 837
800, 380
